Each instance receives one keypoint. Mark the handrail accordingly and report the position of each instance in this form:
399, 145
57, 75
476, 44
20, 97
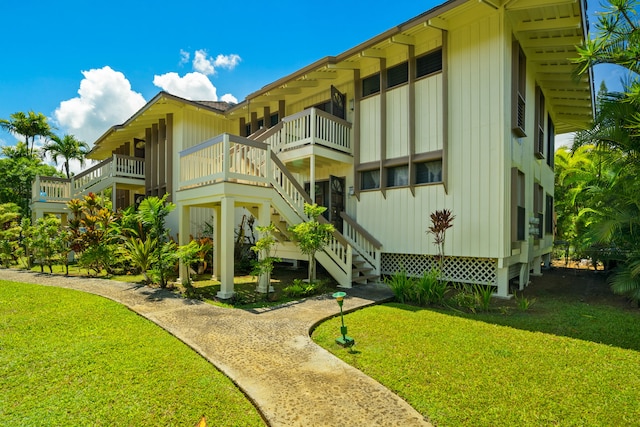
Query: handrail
357, 227
269, 132
93, 168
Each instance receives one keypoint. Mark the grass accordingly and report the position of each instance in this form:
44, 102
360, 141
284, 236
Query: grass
565, 363
71, 358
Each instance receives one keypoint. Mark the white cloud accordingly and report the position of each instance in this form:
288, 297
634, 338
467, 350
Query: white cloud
207, 65
184, 57
202, 64
227, 61
193, 86
105, 99
227, 97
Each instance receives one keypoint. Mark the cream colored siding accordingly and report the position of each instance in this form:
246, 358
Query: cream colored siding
370, 129
476, 169
397, 122
429, 112
201, 126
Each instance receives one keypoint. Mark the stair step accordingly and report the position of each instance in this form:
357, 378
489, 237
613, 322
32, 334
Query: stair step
365, 279
362, 270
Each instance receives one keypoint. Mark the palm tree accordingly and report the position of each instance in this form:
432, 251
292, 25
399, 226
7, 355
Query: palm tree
29, 125
67, 147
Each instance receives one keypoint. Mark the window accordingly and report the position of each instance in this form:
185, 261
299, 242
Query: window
428, 172
274, 119
429, 63
518, 211
548, 224
247, 129
260, 123
538, 200
398, 176
370, 180
551, 140
519, 87
371, 85
398, 75
540, 141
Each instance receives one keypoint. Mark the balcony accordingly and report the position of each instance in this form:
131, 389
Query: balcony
118, 170
311, 131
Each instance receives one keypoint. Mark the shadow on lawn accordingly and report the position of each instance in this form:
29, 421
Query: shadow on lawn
569, 303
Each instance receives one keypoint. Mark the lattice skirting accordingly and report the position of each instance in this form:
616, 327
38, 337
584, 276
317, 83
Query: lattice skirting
456, 269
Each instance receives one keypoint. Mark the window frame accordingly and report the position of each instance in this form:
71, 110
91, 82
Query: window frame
368, 79
423, 162
519, 89
429, 54
362, 173
391, 84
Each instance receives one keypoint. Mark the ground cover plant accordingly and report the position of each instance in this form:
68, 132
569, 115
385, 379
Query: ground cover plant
71, 358
570, 359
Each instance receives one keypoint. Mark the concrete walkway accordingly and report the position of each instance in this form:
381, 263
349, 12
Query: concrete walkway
268, 354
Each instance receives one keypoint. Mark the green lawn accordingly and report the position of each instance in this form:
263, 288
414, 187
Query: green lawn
564, 363
71, 358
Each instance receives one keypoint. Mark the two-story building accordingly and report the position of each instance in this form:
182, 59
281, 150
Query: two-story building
454, 109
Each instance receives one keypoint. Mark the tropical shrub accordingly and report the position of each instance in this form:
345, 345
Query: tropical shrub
9, 233
312, 236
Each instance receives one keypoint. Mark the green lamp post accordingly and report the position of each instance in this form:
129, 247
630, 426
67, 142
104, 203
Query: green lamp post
344, 340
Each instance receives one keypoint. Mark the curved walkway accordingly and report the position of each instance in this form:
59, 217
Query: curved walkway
267, 353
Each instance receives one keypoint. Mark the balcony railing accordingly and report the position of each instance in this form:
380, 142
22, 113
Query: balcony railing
309, 127
52, 189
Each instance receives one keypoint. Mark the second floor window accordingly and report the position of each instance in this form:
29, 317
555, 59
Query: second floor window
371, 85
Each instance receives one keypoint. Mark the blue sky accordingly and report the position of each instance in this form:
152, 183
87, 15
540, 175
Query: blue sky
88, 66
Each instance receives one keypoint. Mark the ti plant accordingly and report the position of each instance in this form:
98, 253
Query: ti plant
441, 221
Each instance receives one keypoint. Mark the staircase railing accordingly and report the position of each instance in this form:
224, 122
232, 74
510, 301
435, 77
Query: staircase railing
230, 158
117, 165
366, 244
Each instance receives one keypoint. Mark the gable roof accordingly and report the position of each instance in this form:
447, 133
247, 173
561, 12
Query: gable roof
157, 108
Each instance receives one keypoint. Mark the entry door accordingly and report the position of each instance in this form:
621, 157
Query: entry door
336, 201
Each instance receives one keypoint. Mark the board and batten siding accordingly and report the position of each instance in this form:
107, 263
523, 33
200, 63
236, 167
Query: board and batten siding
370, 129
476, 157
477, 163
428, 110
200, 126
397, 122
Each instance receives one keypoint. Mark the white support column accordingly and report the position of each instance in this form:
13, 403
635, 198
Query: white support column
226, 239
264, 219
502, 282
312, 178
114, 199
184, 220
217, 243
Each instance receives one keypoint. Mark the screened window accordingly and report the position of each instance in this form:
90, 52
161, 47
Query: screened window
371, 85
274, 119
517, 205
540, 141
548, 225
428, 172
429, 63
370, 180
398, 176
398, 75
551, 139
519, 86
